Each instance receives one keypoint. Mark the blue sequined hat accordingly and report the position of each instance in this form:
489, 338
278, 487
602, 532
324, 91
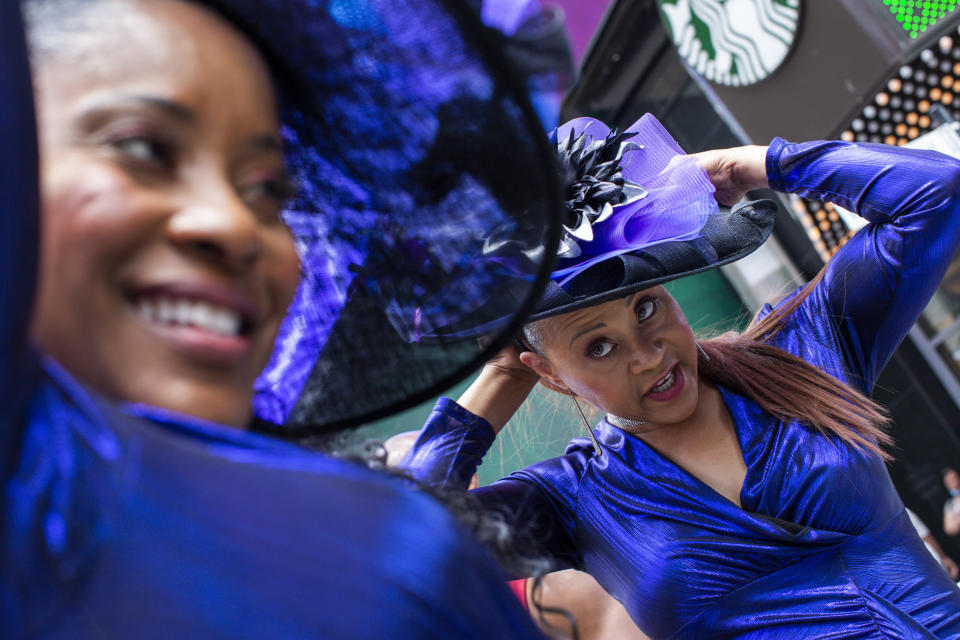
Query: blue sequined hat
638, 213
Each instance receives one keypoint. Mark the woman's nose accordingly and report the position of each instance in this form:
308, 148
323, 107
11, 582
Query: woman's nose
219, 229
646, 354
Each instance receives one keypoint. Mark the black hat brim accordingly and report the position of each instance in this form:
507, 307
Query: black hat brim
727, 236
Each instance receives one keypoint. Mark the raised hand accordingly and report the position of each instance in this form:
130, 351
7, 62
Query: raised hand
735, 171
507, 361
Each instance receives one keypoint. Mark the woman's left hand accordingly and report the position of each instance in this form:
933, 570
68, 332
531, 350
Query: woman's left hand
735, 171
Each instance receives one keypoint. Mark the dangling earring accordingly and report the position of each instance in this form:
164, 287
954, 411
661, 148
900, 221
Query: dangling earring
706, 358
593, 437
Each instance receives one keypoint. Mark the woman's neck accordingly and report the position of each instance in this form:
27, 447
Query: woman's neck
710, 421
705, 444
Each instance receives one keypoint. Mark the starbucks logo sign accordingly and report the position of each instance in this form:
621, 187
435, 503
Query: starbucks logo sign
732, 42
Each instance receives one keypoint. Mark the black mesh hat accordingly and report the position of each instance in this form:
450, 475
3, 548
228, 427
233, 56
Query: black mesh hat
414, 143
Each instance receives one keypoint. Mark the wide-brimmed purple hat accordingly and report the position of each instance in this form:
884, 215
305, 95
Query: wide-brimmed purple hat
639, 212
414, 143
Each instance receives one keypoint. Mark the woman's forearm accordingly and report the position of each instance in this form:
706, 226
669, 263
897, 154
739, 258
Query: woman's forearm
457, 434
496, 395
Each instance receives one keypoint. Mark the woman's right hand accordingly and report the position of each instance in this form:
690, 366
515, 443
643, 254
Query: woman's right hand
507, 361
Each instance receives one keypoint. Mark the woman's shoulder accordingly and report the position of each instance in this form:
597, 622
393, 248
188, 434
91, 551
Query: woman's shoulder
66, 418
560, 475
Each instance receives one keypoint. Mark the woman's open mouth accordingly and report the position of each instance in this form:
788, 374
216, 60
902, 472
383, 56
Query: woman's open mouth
190, 313
667, 387
196, 326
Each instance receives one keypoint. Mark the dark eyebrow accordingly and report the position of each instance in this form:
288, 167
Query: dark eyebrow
173, 109
599, 325
177, 111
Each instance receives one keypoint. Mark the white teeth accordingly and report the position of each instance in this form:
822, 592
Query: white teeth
227, 321
165, 311
664, 384
147, 309
181, 311
202, 316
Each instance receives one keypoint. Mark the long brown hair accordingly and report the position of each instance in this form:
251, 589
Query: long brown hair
791, 388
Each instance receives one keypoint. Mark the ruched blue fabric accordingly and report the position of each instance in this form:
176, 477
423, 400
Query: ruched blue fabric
145, 524
822, 547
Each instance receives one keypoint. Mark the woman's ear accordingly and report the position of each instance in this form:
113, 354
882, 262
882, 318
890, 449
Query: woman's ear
543, 368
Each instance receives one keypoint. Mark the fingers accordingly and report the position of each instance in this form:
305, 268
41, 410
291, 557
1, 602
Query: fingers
734, 171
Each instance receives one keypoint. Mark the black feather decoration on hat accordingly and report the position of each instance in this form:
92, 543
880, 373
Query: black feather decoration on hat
594, 183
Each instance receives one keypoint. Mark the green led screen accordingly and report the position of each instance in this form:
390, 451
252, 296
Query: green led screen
916, 16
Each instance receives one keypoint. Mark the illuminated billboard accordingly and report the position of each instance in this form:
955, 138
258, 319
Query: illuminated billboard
916, 17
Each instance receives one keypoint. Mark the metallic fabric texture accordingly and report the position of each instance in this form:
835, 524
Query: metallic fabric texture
822, 547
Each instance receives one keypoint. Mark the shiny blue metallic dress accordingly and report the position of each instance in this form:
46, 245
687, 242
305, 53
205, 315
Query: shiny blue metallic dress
822, 547
140, 524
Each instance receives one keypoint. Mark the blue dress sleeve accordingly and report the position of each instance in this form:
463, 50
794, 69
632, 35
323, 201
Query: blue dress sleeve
18, 233
878, 283
538, 501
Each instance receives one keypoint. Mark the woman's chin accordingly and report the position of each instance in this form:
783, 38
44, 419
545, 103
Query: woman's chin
226, 402
211, 408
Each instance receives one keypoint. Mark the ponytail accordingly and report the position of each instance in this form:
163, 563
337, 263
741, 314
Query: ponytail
790, 388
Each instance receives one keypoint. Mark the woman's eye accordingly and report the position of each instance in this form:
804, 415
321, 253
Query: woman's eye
279, 190
145, 150
645, 309
600, 349
269, 196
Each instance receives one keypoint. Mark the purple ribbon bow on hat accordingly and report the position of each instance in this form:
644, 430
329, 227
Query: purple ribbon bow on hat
627, 191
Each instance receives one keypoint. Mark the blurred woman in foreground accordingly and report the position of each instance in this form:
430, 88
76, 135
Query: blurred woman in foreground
136, 504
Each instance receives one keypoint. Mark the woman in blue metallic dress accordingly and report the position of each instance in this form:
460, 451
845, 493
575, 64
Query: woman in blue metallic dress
137, 502
736, 487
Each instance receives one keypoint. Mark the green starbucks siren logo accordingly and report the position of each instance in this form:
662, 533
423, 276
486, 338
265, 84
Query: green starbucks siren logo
732, 42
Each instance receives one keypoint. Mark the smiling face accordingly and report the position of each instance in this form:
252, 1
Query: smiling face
165, 269
635, 357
